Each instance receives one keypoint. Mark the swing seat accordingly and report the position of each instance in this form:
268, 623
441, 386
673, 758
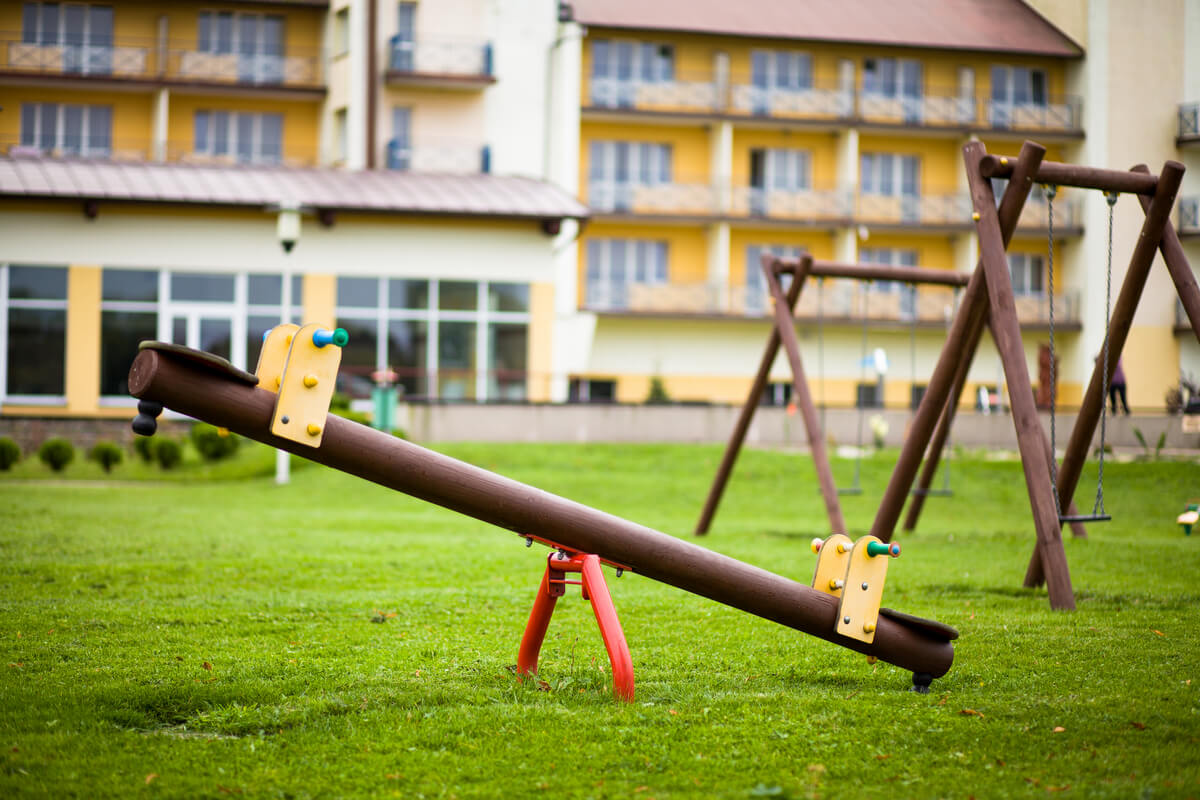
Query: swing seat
1084, 518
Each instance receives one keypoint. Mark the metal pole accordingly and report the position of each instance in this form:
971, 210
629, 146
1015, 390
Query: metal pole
200, 392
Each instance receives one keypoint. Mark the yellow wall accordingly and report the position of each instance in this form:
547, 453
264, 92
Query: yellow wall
300, 122
83, 338
941, 159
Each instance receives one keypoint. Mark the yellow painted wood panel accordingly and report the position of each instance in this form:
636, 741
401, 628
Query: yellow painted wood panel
83, 338
320, 299
541, 334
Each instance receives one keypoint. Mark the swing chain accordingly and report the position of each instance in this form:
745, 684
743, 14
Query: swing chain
1098, 506
1050, 190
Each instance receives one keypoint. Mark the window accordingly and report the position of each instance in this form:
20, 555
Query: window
84, 34
248, 138
756, 282
1028, 273
341, 32
450, 340
341, 136
890, 175
399, 154
128, 315
897, 258
34, 318
67, 129
1014, 88
591, 390
890, 77
780, 169
256, 39
614, 264
867, 395
780, 70
617, 168
404, 44
619, 67
776, 394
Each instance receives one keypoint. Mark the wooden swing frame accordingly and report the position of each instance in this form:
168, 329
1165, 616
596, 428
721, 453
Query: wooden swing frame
988, 300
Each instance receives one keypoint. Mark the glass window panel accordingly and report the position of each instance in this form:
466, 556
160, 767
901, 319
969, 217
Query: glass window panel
272, 35
508, 347
407, 349
359, 357
508, 296
886, 176
245, 137
660, 261
100, 25
616, 267
272, 137
204, 32
646, 67
216, 336
120, 334
600, 58
358, 292
759, 68
248, 34
224, 32
664, 163
621, 151
456, 360
179, 330
458, 295
597, 159
49, 126
29, 124
49, 23
136, 285
666, 63
406, 293
595, 259
257, 326
29, 23
200, 137
999, 83
1020, 84
220, 141
207, 288
37, 343
72, 139
624, 61
1038, 87
99, 129
37, 283
265, 290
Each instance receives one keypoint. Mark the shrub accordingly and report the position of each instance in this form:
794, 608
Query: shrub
56, 453
106, 454
144, 447
658, 392
169, 453
213, 443
10, 453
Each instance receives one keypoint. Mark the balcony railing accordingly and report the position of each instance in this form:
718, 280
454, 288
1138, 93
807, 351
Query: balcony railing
837, 301
440, 58
695, 198
150, 59
136, 150
1189, 216
1189, 122
936, 108
459, 159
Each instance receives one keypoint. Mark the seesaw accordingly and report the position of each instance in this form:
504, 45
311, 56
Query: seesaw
285, 405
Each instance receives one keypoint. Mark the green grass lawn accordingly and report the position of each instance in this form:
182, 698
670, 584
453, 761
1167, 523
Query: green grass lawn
201, 637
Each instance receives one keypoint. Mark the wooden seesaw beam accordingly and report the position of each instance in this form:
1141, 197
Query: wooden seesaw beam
206, 392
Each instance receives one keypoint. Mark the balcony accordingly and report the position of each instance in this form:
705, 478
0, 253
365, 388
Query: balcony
140, 150
839, 301
823, 207
1189, 216
947, 109
150, 61
443, 63
1189, 124
447, 158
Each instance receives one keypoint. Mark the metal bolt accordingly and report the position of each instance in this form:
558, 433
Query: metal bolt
846, 620
620, 572
864, 586
529, 541
310, 381
285, 419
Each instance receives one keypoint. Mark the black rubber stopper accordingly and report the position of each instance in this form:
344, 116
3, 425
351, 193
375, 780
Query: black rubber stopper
146, 422
921, 681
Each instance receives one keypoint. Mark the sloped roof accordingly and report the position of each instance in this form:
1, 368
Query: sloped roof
1008, 26
383, 191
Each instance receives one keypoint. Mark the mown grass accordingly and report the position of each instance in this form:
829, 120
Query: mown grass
330, 638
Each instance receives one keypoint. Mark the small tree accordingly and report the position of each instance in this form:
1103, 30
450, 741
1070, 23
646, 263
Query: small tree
56, 453
106, 454
169, 453
658, 392
10, 453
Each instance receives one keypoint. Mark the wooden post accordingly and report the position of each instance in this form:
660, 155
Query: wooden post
1158, 214
1177, 265
785, 326
734, 447
1006, 330
937, 392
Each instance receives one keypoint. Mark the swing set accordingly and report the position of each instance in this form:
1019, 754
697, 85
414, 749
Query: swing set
988, 301
783, 334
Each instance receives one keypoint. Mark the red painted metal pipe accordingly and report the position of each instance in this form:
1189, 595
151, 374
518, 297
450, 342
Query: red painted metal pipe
202, 393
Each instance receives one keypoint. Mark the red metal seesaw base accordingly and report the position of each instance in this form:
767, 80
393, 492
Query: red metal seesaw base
554, 586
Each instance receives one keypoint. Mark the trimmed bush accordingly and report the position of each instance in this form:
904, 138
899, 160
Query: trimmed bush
10, 452
169, 453
56, 453
106, 454
213, 443
144, 447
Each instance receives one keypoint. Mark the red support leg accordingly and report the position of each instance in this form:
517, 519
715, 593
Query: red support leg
595, 590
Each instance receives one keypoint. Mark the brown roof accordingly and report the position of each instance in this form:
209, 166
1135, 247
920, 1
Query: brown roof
383, 191
1008, 26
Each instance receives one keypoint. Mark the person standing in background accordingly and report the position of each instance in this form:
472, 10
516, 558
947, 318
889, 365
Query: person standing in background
1116, 388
